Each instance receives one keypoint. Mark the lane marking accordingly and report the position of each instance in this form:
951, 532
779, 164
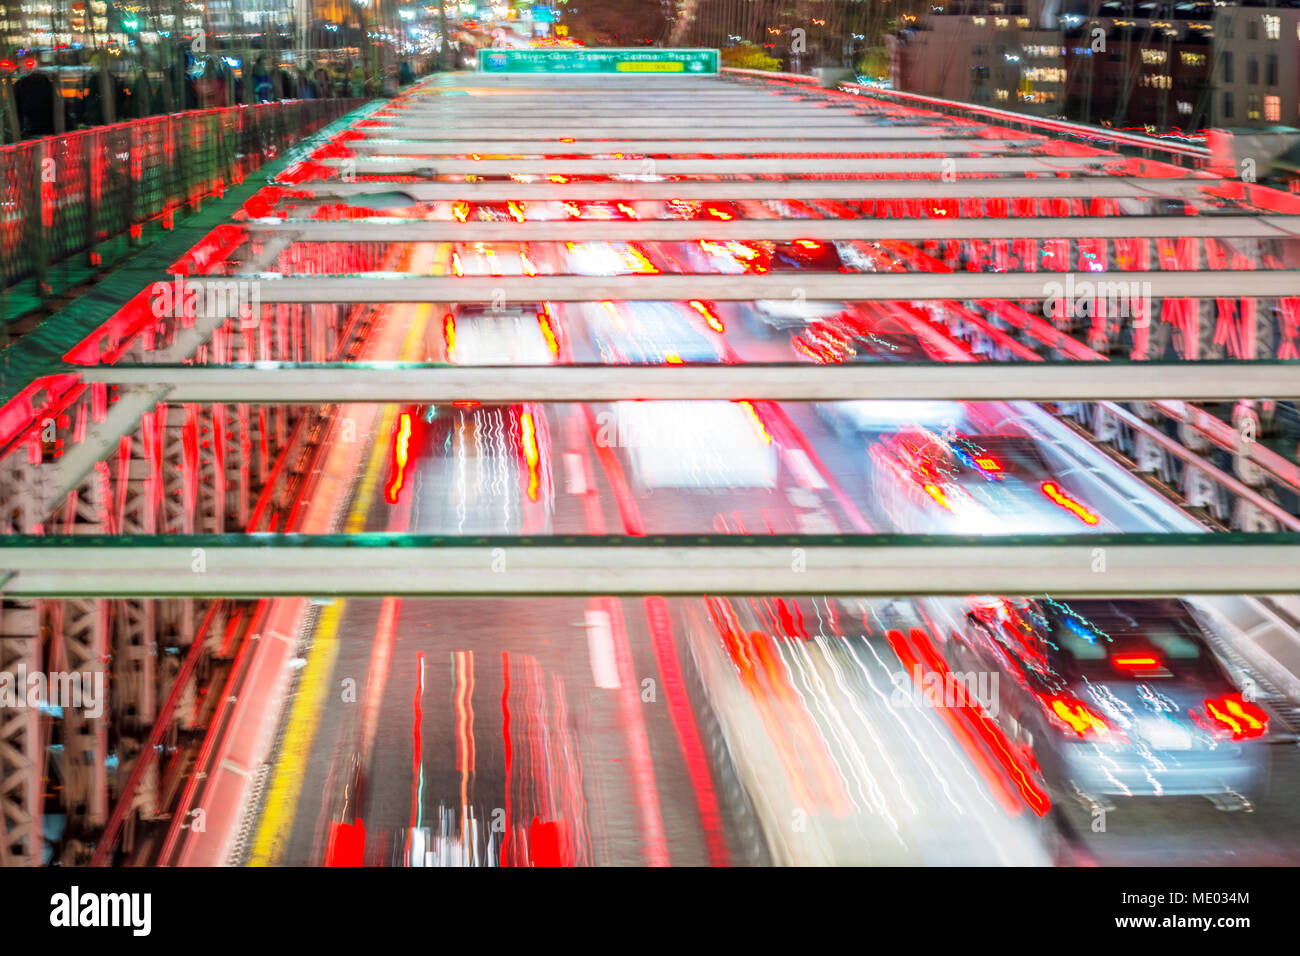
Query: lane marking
600, 647
275, 825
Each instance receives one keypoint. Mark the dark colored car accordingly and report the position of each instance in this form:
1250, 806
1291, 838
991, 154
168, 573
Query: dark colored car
945, 482
1118, 698
849, 338
806, 254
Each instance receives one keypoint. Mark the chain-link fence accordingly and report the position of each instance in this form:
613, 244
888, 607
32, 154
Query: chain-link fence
63, 196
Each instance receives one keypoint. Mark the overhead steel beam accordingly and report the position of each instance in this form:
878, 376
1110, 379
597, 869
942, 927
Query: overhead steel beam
270, 383
588, 87
665, 104
848, 287
380, 229
504, 85
715, 167
623, 124
68, 471
662, 129
401, 146
734, 112
1083, 187
361, 566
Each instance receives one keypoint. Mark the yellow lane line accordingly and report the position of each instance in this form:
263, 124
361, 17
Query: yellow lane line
275, 825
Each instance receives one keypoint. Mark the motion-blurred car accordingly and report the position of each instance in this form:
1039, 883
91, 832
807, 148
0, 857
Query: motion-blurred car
485, 468
713, 211
784, 315
700, 444
494, 259
944, 482
514, 334
868, 420
511, 211
804, 255
799, 255
647, 333
1118, 698
607, 259
850, 336
600, 211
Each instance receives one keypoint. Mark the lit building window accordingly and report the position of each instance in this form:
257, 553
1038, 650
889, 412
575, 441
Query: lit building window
1044, 74
1154, 57
1273, 109
1272, 26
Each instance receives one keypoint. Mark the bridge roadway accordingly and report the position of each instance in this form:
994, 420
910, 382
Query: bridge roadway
608, 716
691, 730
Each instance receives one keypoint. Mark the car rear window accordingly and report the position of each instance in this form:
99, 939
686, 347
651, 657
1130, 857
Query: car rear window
991, 456
1085, 644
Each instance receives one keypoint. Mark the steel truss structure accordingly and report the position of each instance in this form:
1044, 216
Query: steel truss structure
164, 425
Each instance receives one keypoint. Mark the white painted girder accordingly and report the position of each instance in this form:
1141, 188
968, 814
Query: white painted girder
381, 229
437, 166
758, 566
1030, 381
921, 187
849, 287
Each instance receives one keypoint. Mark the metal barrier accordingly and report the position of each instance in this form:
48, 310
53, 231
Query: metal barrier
1178, 154
64, 196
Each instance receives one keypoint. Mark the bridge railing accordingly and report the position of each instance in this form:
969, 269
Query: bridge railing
74, 195
1180, 154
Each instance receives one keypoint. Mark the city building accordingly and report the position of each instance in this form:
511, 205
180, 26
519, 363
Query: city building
1007, 54
1130, 71
1257, 67
1124, 63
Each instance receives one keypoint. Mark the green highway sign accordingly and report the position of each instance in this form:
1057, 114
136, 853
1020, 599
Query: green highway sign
604, 60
